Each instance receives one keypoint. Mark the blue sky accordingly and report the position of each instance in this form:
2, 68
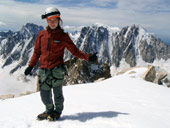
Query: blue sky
153, 15
77, 3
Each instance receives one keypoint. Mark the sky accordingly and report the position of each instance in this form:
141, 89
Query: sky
153, 15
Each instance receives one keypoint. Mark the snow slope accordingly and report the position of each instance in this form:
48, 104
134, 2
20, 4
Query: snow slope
124, 101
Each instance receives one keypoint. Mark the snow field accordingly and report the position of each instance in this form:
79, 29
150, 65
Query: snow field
124, 101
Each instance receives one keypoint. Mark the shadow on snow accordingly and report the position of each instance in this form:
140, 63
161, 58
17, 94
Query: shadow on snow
83, 117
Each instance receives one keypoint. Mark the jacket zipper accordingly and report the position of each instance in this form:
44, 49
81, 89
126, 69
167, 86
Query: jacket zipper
48, 49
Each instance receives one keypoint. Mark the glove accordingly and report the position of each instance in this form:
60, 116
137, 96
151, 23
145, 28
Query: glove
93, 58
28, 70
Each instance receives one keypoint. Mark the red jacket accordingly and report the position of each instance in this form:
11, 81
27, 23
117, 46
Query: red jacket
49, 47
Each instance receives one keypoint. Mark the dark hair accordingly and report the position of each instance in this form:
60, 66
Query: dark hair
60, 24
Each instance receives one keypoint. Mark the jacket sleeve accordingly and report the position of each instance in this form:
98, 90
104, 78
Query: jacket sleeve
74, 50
37, 52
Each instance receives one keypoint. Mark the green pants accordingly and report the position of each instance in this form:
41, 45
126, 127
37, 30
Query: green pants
51, 81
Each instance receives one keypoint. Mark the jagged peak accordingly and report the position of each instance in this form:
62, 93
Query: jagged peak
99, 25
112, 29
3, 33
139, 27
31, 28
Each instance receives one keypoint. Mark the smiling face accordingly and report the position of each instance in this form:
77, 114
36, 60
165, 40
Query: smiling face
53, 23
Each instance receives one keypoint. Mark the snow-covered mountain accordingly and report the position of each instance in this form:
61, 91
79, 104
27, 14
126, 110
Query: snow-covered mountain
126, 47
131, 43
124, 101
17, 48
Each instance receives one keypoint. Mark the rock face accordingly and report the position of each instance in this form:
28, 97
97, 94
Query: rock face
160, 76
157, 75
131, 44
3, 97
150, 74
4, 35
167, 82
80, 71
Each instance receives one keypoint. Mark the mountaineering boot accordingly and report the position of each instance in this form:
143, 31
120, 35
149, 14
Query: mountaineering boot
54, 116
57, 115
42, 116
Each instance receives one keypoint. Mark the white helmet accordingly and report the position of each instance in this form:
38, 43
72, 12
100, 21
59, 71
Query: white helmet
51, 12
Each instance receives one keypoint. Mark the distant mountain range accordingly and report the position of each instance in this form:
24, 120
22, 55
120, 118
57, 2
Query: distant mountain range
131, 46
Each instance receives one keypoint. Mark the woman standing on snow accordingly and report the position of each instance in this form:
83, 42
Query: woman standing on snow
49, 47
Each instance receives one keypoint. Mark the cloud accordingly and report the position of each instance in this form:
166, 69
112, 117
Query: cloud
15, 14
2, 23
104, 3
145, 6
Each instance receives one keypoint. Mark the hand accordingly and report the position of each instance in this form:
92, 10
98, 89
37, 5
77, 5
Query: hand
93, 58
28, 70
